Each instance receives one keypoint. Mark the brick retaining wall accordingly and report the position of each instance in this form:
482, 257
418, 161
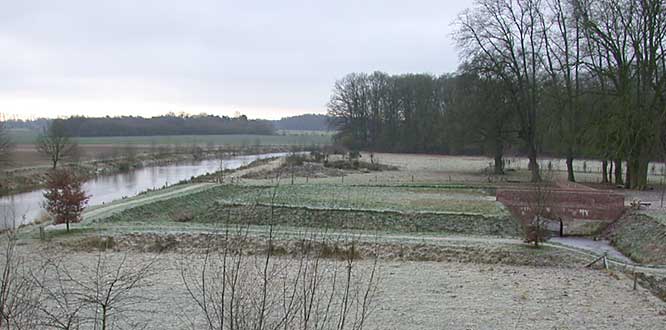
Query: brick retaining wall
582, 211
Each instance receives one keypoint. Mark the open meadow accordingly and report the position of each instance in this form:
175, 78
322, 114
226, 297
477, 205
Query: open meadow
91, 148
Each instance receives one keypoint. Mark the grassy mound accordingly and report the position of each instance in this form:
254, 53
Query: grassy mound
393, 209
640, 237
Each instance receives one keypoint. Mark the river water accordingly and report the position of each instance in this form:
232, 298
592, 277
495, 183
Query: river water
27, 207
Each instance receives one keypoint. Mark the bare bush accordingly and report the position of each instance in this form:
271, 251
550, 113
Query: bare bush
540, 203
102, 296
312, 288
60, 306
18, 294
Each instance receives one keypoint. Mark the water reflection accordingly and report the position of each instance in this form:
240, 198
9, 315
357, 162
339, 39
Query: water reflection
27, 207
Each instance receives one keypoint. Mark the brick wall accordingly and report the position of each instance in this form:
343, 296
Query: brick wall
582, 211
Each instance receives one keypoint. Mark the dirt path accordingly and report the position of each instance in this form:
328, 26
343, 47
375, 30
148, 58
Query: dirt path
600, 247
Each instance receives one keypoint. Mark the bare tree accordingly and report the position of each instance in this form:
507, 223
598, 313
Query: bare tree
111, 289
563, 57
6, 145
625, 43
55, 143
243, 283
18, 294
318, 286
540, 203
60, 307
508, 34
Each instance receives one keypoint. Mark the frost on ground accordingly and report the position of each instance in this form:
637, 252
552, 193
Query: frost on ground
444, 295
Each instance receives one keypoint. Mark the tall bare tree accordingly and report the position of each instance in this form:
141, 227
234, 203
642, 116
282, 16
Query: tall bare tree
508, 33
564, 65
628, 39
482, 103
55, 143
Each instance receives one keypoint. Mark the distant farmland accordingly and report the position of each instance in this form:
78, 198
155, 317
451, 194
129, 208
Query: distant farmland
24, 136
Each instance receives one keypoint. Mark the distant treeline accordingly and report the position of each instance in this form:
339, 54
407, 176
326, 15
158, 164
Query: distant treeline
175, 125
164, 125
307, 122
396, 113
457, 113
32, 124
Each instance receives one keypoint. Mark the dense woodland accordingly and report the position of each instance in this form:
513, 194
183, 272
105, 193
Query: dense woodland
570, 78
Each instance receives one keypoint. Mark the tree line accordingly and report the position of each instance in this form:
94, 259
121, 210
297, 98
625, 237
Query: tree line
170, 124
134, 125
306, 122
569, 78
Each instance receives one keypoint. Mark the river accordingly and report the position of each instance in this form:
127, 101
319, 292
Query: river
27, 207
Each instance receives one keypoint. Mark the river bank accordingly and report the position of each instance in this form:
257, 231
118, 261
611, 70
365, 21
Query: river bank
23, 208
26, 179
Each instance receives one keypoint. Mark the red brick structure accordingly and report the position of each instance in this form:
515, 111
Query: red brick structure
572, 208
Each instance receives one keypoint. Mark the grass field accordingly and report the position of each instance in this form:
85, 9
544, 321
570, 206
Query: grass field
376, 198
387, 209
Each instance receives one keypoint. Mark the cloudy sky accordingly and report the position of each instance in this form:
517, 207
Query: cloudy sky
266, 59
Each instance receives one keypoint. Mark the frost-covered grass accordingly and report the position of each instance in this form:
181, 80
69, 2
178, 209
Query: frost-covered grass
391, 198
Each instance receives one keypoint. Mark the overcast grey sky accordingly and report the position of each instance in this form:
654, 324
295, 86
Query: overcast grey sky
266, 59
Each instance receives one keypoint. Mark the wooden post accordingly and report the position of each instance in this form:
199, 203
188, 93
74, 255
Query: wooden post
42, 234
605, 262
603, 259
635, 280
663, 189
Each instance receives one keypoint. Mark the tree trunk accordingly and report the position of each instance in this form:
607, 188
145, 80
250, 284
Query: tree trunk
570, 169
604, 171
533, 165
103, 318
499, 162
537, 232
67, 225
610, 172
618, 172
637, 171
